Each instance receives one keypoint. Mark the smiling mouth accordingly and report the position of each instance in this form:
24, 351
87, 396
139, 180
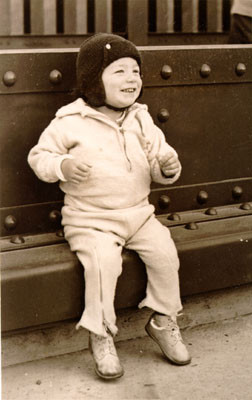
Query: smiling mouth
130, 90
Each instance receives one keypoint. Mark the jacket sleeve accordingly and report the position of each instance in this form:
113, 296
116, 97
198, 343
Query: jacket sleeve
46, 157
155, 146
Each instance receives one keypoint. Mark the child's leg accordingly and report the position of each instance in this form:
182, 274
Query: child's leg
156, 248
100, 255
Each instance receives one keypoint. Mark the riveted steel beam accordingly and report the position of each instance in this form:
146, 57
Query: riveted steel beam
53, 70
216, 255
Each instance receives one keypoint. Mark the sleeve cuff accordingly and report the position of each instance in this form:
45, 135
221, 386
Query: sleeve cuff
58, 170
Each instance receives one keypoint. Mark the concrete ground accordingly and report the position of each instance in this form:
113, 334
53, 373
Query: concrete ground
221, 369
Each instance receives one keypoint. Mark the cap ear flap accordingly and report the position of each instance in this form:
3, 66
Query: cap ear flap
94, 94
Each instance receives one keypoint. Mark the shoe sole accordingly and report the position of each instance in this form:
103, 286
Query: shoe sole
172, 360
108, 377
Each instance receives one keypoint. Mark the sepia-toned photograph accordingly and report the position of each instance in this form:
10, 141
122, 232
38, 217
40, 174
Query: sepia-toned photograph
126, 199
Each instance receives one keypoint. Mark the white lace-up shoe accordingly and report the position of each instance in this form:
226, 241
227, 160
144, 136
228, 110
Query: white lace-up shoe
165, 331
107, 363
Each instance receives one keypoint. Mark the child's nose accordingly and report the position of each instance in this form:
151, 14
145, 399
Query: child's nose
131, 77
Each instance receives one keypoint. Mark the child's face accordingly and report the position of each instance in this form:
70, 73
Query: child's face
122, 82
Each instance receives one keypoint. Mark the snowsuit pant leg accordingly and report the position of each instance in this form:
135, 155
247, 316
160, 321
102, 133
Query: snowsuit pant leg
156, 248
100, 253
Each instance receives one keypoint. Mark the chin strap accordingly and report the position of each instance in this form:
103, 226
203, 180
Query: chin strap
116, 108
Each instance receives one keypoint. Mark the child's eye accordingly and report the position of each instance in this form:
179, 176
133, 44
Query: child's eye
136, 71
119, 71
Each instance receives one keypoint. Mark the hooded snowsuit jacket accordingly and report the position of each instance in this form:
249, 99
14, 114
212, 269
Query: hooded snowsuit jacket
124, 159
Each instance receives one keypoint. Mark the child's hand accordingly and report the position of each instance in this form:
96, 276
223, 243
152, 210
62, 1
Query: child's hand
169, 164
75, 170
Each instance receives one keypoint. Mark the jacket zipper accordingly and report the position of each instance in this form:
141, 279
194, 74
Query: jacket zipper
128, 162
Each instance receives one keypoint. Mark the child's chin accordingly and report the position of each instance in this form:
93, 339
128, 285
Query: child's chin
123, 104
128, 103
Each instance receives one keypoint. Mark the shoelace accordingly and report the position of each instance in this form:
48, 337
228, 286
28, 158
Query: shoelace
102, 346
170, 327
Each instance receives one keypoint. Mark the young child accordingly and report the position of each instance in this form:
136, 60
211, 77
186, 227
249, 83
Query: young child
105, 150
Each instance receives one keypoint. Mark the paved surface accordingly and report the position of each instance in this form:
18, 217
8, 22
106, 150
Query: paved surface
221, 369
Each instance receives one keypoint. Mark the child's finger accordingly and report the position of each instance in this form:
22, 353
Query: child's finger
76, 181
79, 178
81, 174
84, 167
167, 158
170, 171
172, 165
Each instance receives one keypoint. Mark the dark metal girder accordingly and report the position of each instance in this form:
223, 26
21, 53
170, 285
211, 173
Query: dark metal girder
45, 284
35, 71
41, 218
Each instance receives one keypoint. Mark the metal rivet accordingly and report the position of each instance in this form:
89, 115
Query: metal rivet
10, 222
55, 77
163, 115
246, 206
205, 71
174, 217
60, 233
237, 192
240, 69
211, 211
166, 72
202, 197
9, 78
55, 216
17, 239
191, 226
164, 201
